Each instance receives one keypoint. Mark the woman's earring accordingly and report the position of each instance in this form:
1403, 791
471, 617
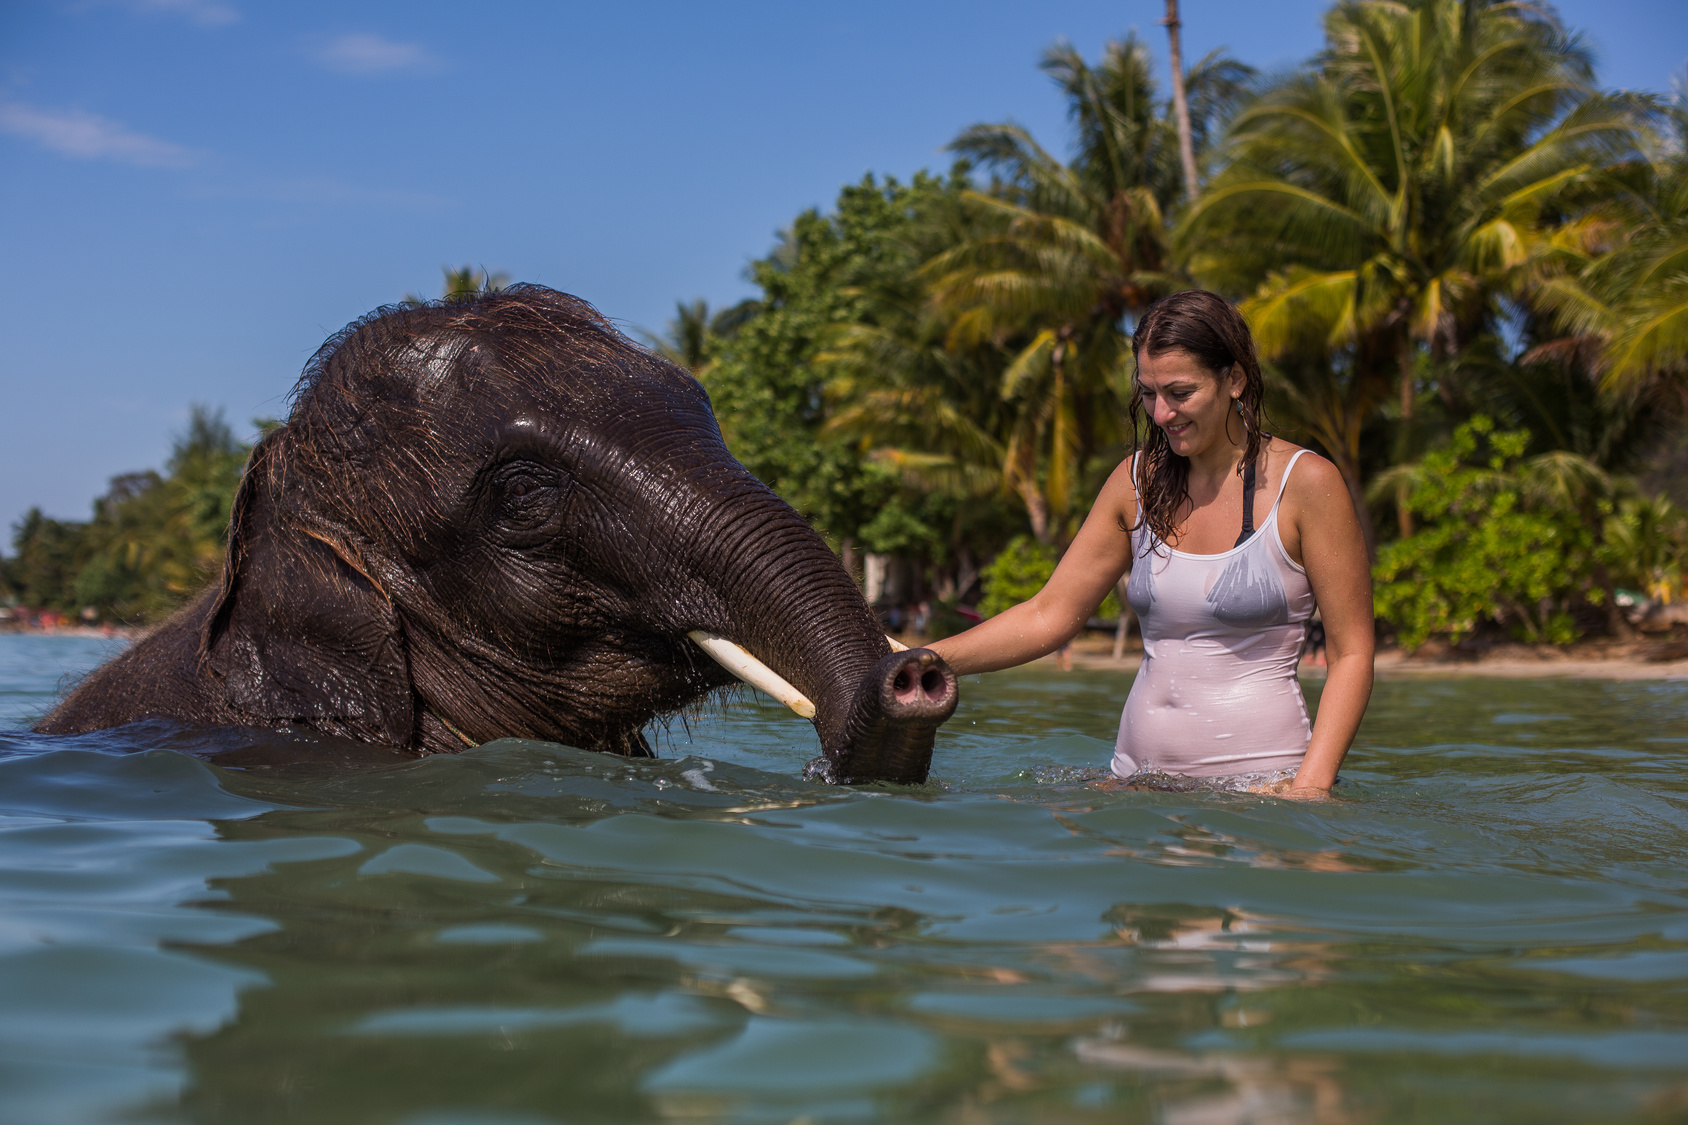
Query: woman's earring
1238, 403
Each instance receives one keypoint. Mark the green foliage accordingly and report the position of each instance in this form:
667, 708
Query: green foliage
1020, 571
898, 529
1616, 284
1376, 204
768, 388
1494, 547
1016, 574
1645, 546
48, 554
155, 539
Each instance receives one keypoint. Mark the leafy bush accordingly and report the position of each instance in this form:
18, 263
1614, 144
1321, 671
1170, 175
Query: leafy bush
895, 530
1019, 572
1499, 543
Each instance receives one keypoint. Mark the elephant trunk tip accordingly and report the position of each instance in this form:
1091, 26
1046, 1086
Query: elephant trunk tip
898, 708
917, 686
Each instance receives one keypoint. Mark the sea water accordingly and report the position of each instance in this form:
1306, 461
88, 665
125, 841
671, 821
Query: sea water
1489, 923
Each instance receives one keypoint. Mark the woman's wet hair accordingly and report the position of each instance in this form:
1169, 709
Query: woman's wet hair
1211, 331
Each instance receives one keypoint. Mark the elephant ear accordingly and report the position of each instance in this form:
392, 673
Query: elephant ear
298, 632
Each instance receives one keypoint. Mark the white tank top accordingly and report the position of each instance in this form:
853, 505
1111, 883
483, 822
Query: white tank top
1222, 636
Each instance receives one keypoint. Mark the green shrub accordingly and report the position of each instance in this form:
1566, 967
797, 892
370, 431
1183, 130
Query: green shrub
1019, 572
1497, 544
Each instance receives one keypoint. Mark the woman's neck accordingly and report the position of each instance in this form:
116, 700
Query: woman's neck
1216, 462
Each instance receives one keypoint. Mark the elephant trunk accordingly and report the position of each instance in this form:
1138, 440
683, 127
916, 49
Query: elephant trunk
776, 589
892, 720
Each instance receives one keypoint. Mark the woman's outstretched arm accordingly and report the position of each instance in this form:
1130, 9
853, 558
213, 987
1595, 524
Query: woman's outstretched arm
1052, 617
1334, 552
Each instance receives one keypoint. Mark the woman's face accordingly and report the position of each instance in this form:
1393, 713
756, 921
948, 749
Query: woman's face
1192, 405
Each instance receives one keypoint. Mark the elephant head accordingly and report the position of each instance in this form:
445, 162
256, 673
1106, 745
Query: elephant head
500, 517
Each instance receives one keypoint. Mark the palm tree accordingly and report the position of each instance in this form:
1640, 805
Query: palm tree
693, 334
1375, 206
924, 408
686, 342
1617, 284
1065, 253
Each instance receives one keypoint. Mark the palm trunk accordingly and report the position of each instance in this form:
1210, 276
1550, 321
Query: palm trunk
1061, 474
1180, 107
1616, 623
1037, 511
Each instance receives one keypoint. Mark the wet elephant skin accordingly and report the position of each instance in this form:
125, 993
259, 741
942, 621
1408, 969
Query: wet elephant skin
500, 517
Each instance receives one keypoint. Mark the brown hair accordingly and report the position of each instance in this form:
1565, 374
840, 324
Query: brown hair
1215, 334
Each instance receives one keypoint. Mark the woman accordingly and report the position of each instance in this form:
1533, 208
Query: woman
1231, 536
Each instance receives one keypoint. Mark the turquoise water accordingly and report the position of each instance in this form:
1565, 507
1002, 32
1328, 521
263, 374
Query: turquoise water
1490, 925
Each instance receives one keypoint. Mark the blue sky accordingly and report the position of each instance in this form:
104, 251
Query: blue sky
194, 193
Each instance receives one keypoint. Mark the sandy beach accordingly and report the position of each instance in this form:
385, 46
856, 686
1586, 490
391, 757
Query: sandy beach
1648, 659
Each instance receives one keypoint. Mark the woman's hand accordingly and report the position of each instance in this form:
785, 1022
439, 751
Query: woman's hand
1290, 790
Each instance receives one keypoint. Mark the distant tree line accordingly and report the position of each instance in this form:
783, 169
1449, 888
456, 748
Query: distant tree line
154, 539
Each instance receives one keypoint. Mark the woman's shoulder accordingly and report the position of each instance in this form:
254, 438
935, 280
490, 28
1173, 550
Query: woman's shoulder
1314, 476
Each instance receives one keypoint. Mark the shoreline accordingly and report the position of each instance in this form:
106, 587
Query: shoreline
98, 632
1588, 660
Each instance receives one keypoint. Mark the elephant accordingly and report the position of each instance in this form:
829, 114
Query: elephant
499, 516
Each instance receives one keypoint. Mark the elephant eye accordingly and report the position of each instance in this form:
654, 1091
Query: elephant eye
527, 497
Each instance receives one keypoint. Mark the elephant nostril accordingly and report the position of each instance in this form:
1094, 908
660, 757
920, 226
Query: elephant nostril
903, 686
932, 683
916, 687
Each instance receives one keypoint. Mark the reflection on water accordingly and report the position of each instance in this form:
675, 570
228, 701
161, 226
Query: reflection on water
1491, 924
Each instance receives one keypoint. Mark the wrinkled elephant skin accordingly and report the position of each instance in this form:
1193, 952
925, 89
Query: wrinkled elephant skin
499, 517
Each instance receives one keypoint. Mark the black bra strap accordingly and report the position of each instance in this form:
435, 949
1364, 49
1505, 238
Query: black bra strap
1248, 505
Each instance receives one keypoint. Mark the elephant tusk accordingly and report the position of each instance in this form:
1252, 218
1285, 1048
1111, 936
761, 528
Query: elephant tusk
737, 660
752, 671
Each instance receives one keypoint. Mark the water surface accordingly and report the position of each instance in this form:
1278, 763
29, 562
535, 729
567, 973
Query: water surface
1490, 925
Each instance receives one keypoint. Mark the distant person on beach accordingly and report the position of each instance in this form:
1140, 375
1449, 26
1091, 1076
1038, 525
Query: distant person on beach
1223, 593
